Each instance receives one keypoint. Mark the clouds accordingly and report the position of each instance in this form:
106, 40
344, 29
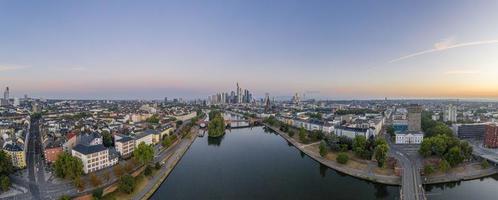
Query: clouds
443, 46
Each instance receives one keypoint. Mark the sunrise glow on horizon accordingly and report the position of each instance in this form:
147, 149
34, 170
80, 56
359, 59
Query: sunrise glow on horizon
130, 50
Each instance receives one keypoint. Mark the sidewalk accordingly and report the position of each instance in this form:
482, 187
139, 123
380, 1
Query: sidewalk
174, 155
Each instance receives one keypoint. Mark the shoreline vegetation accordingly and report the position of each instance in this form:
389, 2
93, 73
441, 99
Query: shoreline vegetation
216, 125
347, 162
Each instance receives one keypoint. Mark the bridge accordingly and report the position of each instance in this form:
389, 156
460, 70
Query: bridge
230, 123
411, 180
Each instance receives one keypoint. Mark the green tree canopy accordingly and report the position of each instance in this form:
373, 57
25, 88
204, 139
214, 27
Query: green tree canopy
342, 158
381, 154
6, 166
359, 143
126, 184
444, 166
154, 119
323, 148
107, 139
68, 167
216, 126
143, 153
4, 183
454, 156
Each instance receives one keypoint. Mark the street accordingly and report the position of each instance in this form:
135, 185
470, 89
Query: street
411, 181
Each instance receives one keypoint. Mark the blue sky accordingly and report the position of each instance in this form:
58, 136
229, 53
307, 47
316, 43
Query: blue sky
343, 49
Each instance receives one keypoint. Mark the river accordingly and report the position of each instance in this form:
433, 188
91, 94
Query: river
256, 163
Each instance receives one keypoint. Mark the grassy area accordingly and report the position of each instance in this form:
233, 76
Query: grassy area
354, 162
141, 182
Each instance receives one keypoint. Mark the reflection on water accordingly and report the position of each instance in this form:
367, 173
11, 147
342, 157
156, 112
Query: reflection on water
215, 141
482, 189
257, 164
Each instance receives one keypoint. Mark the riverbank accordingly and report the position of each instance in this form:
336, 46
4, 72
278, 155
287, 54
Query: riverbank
462, 173
369, 175
169, 164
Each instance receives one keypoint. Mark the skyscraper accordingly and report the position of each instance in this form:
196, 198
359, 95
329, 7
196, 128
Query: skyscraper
6, 93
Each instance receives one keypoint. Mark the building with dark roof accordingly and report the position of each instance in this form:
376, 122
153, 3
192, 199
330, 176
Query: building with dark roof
16, 153
94, 157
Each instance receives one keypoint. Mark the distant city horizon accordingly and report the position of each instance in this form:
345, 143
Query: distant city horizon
339, 50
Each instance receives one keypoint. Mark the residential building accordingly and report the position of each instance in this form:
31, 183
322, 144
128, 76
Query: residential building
491, 136
144, 137
94, 157
52, 153
16, 153
124, 145
352, 132
450, 114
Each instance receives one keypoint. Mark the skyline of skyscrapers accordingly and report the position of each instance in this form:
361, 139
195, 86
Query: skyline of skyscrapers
234, 97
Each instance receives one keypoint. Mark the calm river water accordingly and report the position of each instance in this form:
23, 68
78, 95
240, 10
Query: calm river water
255, 163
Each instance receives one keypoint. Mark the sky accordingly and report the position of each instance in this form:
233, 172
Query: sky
191, 49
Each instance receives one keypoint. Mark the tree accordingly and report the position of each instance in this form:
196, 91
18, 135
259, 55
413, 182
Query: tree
444, 166
359, 143
154, 119
302, 135
143, 153
4, 183
148, 170
342, 158
439, 145
439, 129
426, 147
284, 127
216, 126
380, 141
126, 184
333, 142
429, 169
346, 140
166, 142
107, 139
6, 166
157, 166
64, 197
343, 147
484, 164
316, 135
381, 154
272, 121
179, 123
98, 193
68, 167
454, 156
291, 133
95, 180
466, 150
323, 148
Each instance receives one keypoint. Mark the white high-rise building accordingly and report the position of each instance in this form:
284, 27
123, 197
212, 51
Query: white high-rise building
450, 114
